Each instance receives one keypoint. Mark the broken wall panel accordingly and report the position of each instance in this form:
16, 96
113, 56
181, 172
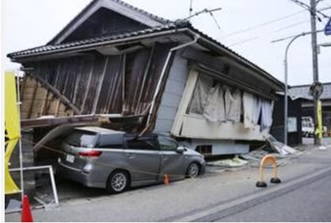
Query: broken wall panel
111, 90
153, 75
82, 82
94, 83
71, 73
48, 70
54, 107
134, 78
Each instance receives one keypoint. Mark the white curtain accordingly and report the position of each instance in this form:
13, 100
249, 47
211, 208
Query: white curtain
214, 110
232, 104
266, 113
249, 103
200, 95
257, 109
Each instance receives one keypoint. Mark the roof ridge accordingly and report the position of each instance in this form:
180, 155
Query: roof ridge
94, 2
160, 19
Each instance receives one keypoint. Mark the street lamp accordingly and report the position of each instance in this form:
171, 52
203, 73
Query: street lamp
285, 80
286, 87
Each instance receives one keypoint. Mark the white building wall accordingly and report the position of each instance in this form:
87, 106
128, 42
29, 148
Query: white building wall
172, 95
172, 117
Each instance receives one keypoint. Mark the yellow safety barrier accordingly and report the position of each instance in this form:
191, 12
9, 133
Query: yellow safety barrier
11, 129
268, 160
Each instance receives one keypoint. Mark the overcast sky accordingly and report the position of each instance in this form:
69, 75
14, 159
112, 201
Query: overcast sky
246, 26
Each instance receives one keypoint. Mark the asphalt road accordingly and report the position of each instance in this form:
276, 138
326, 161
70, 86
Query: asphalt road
294, 200
308, 203
217, 196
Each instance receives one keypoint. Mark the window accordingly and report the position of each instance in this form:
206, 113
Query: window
200, 94
111, 141
82, 138
204, 149
142, 143
167, 143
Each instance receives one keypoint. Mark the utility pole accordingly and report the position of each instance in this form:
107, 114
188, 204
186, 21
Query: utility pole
317, 141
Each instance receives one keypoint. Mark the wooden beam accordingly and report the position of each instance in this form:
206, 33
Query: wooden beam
43, 106
96, 99
33, 97
56, 92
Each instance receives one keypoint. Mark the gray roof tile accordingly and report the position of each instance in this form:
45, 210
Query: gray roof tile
303, 91
49, 49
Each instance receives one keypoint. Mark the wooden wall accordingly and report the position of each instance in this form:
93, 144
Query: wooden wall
93, 84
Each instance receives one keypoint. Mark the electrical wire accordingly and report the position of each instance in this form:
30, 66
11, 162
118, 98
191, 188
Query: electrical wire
289, 26
245, 41
307, 7
259, 37
260, 25
264, 24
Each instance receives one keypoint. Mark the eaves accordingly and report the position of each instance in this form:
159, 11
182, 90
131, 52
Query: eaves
136, 36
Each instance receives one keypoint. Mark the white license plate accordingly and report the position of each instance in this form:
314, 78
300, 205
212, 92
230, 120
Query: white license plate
70, 158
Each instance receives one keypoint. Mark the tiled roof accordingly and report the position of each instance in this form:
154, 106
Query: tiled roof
95, 42
87, 42
303, 91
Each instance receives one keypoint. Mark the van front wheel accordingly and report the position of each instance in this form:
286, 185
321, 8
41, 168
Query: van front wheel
193, 170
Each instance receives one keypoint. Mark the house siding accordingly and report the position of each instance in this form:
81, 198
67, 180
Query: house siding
172, 94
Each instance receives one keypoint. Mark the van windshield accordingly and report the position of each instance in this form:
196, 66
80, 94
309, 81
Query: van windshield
82, 138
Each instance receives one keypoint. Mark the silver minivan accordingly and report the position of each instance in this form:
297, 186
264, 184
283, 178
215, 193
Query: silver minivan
115, 160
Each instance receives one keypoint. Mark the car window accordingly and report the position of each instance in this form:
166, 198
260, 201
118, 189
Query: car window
82, 138
110, 141
142, 143
167, 143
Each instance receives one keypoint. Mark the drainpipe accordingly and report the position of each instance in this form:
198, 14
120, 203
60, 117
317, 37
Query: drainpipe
163, 74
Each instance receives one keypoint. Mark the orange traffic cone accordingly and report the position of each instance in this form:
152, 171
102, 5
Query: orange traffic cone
26, 211
166, 180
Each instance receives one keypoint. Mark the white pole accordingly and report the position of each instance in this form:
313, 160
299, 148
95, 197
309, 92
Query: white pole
53, 185
286, 86
19, 132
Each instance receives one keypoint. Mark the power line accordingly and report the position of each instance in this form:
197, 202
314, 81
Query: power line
267, 23
290, 37
259, 37
290, 26
260, 25
307, 7
245, 41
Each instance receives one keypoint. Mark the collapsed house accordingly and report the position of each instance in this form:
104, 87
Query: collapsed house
128, 69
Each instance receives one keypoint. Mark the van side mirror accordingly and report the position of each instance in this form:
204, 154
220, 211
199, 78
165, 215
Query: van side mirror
180, 149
